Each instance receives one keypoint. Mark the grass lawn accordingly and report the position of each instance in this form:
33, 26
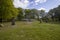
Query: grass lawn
30, 31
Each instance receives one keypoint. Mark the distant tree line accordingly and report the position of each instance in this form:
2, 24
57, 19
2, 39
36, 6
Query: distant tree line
7, 11
55, 13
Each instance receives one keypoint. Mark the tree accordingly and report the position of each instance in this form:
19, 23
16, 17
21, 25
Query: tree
20, 14
7, 9
42, 13
56, 12
27, 13
35, 12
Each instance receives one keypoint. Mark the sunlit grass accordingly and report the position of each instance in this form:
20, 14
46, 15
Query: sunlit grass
30, 31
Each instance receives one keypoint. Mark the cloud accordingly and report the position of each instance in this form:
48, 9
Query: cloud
26, 3
21, 3
41, 8
58, 0
40, 1
37, 0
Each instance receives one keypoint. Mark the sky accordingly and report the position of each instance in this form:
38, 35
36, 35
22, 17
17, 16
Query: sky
36, 4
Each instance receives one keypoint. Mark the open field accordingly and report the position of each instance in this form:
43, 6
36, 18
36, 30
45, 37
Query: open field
30, 31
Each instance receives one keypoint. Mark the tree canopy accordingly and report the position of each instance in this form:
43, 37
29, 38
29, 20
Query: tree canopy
7, 9
56, 12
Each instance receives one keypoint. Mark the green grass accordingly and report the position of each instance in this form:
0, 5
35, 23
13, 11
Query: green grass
30, 31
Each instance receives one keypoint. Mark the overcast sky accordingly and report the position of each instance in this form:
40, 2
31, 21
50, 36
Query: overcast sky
37, 4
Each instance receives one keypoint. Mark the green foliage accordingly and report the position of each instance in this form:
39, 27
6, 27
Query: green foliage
42, 11
7, 9
29, 13
20, 15
56, 11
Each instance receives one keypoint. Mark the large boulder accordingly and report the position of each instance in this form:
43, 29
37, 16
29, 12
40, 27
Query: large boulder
1, 25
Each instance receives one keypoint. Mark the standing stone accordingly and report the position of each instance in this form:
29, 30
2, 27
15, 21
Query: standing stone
13, 21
